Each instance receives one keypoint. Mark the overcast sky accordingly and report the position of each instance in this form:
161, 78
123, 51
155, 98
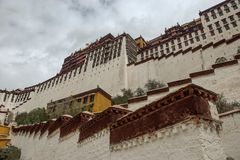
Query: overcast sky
36, 36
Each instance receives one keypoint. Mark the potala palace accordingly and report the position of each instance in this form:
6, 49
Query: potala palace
196, 61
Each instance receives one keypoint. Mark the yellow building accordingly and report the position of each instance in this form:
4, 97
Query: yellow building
4, 133
95, 100
140, 42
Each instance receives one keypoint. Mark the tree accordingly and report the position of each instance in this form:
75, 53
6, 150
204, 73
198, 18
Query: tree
35, 116
238, 50
153, 84
22, 118
139, 92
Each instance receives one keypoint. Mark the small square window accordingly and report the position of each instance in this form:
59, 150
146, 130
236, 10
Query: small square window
231, 18
197, 39
234, 24
212, 33
226, 8
224, 21
92, 98
219, 30
168, 50
85, 100
227, 27
191, 40
179, 45
210, 27
217, 24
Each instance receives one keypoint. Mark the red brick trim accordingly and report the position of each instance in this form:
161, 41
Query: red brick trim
58, 123
73, 124
197, 48
219, 43
33, 127
46, 126
177, 53
191, 100
186, 50
162, 56
157, 91
38, 128
179, 82
137, 99
237, 56
168, 55
229, 113
233, 39
224, 64
130, 64
101, 121
207, 46
201, 73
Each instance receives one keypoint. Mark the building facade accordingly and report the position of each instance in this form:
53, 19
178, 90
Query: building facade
114, 63
95, 100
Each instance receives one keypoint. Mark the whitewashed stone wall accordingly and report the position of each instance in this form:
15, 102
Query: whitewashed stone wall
224, 80
111, 77
180, 66
53, 148
179, 142
231, 133
185, 140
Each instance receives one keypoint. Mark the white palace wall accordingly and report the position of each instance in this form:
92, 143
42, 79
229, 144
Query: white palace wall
178, 142
111, 77
223, 80
53, 148
194, 135
185, 140
231, 132
115, 75
178, 67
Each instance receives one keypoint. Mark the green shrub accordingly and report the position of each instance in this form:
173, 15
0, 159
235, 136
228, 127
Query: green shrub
223, 105
153, 84
119, 100
35, 116
139, 92
10, 153
126, 93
